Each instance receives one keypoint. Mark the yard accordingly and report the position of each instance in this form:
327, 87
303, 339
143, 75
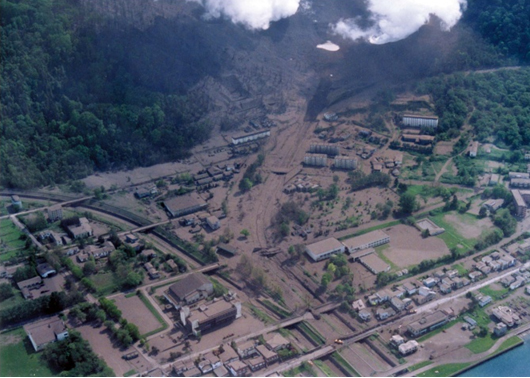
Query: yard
10, 240
18, 359
455, 224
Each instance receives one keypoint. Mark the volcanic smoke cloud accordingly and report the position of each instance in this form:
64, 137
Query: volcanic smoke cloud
253, 14
393, 20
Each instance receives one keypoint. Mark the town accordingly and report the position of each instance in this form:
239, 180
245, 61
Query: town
292, 248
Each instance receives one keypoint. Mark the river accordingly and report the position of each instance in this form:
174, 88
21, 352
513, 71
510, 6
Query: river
514, 363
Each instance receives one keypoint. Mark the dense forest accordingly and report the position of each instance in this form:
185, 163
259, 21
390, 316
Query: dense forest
497, 104
504, 23
70, 104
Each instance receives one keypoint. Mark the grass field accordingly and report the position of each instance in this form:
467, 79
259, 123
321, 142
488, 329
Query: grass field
419, 365
13, 301
104, 283
451, 236
10, 240
18, 359
508, 343
445, 370
460, 269
494, 294
324, 368
481, 344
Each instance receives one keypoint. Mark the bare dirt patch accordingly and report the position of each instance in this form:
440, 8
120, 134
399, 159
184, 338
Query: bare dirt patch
443, 148
135, 312
407, 247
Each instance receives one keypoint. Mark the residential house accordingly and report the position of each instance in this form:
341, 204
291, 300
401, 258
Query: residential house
500, 329
228, 355
397, 304
474, 276
384, 313
484, 300
153, 273
221, 371
409, 288
46, 331
358, 305
145, 191
45, 270
269, 356
247, 349
430, 282
237, 368
275, 342
208, 363
424, 295
517, 284
16, 201
409, 347
365, 315
445, 289
397, 340
81, 230
55, 213
256, 363
213, 222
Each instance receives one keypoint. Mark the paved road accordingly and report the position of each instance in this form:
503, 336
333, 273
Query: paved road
65, 203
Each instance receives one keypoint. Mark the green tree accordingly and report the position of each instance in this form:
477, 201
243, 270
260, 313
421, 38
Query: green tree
245, 185
245, 233
407, 203
89, 268
325, 280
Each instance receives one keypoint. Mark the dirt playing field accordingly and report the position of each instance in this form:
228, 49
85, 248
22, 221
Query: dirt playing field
135, 312
407, 247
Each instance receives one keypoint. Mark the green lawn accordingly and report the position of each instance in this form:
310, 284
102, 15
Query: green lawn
104, 283
451, 236
508, 343
18, 359
419, 365
13, 301
460, 269
481, 344
324, 368
445, 370
494, 294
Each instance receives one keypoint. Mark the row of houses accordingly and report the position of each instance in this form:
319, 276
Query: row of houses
239, 361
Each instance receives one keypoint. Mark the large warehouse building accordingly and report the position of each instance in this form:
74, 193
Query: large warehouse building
183, 205
324, 249
419, 121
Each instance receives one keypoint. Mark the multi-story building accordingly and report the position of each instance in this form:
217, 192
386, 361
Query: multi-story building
324, 249
427, 323
209, 316
368, 240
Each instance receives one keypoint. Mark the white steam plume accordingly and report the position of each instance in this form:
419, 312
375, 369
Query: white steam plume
253, 14
397, 19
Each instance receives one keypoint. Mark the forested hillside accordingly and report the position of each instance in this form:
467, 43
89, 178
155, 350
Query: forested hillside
505, 23
498, 104
69, 103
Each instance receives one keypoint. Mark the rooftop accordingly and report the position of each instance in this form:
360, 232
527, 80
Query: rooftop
324, 246
428, 321
375, 263
183, 202
187, 285
210, 310
45, 331
359, 241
